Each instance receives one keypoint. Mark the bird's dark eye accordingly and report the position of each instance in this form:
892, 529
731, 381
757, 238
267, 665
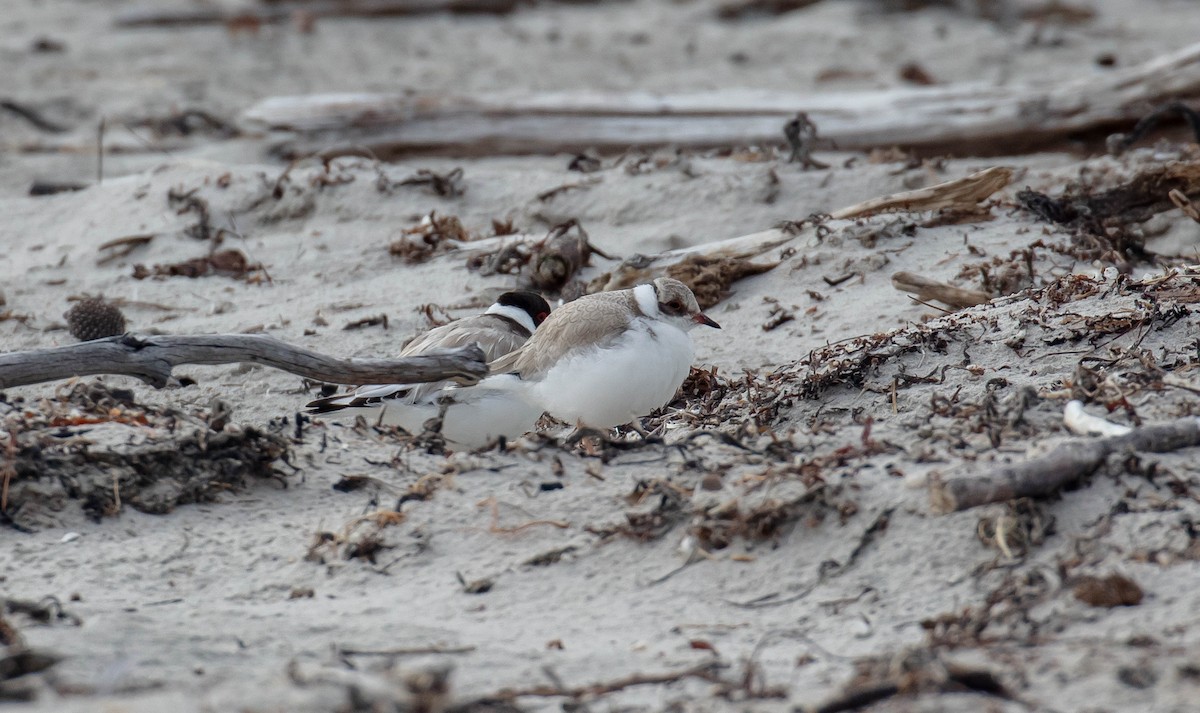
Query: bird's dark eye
541, 317
674, 306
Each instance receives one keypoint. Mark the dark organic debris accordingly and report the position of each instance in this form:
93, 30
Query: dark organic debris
33, 116
50, 188
801, 135
1114, 590
1120, 143
187, 122
548, 265
188, 202
47, 611
360, 538
1100, 220
94, 318
916, 74
376, 321
482, 585
1022, 527
710, 277
98, 446
18, 663
585, 163
447, 185
434, 235
120, 247
911, 673
228, 263
560, 256
670, 509
739, 9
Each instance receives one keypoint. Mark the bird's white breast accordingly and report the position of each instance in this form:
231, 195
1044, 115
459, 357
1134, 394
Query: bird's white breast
608, 386
475, 417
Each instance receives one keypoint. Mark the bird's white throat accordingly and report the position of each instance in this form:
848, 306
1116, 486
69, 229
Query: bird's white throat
647, 300
516, 314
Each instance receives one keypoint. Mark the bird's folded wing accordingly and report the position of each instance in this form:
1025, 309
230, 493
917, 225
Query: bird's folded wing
582, 324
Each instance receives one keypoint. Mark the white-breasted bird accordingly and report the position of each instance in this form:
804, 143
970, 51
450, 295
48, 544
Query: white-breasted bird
605, 359
472, 419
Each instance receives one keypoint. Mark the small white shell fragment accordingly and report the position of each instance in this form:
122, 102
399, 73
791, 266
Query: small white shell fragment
1082, 423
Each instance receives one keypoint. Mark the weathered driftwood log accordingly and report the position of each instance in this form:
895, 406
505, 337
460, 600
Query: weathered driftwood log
151, 359
928, 289
1062, 466
971, 119
961, 194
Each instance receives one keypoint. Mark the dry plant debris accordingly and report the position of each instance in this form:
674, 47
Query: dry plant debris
801, 135
1021, 528
911, 674
120, 247
557, 259
96, 445
226, 263
1113, 590
187, 122
360, 538
19, 662
960, 196
1101, 220
447, 185
548, 265
184, 202
710, 278
1120, 143
928, 289
738, 9
434, 235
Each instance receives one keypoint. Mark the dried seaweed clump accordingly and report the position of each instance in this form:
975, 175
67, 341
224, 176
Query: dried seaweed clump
710, 277
738, 405
1101, 221
97, 445
94, 318
434, 235
227, 263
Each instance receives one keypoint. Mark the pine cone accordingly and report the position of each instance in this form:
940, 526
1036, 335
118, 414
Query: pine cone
94, 318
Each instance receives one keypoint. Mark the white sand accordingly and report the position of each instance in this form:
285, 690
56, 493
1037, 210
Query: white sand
191, 611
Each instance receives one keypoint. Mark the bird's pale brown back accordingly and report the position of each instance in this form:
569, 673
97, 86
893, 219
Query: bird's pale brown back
591, 320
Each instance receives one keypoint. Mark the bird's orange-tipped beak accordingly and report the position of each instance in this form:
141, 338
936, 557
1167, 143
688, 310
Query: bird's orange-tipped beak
701, 318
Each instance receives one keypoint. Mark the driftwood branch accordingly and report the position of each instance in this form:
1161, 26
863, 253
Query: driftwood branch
928, 289
959, 194
1066, 464
972, 119
151, 359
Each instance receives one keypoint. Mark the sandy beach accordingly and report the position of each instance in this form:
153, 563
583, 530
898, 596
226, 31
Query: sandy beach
783, 548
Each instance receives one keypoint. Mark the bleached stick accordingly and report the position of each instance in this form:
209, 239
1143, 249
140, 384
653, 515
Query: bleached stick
959, 194
928, 289
151, 359
1066, 464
